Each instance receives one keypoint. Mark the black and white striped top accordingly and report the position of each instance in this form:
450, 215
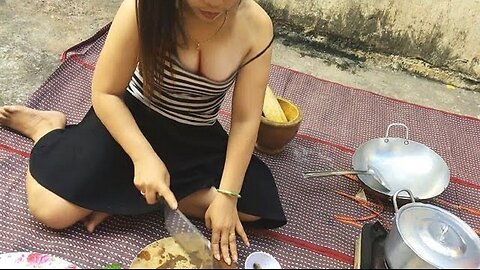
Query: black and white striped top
184, 96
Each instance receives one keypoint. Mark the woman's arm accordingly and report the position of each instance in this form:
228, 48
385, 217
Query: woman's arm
247, 107
113, 72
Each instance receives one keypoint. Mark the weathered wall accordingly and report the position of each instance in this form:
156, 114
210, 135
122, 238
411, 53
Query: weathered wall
443, 33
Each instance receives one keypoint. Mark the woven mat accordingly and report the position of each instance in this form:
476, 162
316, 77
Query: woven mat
324, 219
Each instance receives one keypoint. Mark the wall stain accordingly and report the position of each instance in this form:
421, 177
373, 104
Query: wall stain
354, 30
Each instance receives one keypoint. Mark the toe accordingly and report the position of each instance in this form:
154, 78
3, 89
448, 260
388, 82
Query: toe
15, 108
3, 115
9, 109
93, 220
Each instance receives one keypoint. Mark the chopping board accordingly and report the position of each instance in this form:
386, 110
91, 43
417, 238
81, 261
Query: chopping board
168, 254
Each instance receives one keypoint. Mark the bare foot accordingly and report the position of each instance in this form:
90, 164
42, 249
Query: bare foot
91, 221
31, 123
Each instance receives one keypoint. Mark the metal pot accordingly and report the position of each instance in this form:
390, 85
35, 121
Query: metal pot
427, 236
389, 164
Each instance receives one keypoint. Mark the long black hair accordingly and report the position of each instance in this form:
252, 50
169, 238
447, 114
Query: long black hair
159, 23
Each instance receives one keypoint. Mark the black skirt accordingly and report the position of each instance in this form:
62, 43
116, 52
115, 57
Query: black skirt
86, 166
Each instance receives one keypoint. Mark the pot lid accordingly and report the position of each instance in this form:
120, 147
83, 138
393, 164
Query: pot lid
438, 237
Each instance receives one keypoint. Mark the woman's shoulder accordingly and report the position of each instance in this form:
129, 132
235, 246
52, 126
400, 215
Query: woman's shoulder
129, 5
256, 22
256, 14
127, 12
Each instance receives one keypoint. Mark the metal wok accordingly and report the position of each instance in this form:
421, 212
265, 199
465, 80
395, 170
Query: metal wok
389, 164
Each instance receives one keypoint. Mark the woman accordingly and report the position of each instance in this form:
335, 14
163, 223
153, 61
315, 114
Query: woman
152, 130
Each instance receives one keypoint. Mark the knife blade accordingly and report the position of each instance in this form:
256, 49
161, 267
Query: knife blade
186, 234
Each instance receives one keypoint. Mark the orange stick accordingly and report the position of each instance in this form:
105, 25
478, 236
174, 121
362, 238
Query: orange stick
350, 223
461, 207
365, 218
363, 202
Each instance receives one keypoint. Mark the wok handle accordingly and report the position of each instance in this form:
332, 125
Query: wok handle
330, 173
397, 124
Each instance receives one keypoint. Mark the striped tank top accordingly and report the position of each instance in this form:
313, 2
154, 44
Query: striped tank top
184, 96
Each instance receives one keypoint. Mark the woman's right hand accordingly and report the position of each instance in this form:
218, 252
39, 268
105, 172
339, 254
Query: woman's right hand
153, 180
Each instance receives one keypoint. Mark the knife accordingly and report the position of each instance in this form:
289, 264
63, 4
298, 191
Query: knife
196, 246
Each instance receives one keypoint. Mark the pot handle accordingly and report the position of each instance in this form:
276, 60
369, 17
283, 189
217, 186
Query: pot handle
395, 204
397, 124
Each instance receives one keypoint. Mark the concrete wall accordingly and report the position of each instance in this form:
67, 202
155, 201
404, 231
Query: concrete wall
443, 33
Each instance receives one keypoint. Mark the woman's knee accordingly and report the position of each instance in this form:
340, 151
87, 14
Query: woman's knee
51, 218
50, 209
196, 204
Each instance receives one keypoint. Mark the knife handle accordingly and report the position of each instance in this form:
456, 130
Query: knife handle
161, 200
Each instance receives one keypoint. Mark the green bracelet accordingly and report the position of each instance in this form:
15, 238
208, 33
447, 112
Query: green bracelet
229, 193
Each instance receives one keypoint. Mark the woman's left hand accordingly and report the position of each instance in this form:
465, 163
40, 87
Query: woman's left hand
222, 218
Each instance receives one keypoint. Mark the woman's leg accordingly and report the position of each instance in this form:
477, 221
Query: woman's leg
196, 204
50, 209
44, 205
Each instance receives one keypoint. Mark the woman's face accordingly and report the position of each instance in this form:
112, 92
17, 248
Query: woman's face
210, 10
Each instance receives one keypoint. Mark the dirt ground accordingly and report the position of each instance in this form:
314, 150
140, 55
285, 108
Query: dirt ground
34, 33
